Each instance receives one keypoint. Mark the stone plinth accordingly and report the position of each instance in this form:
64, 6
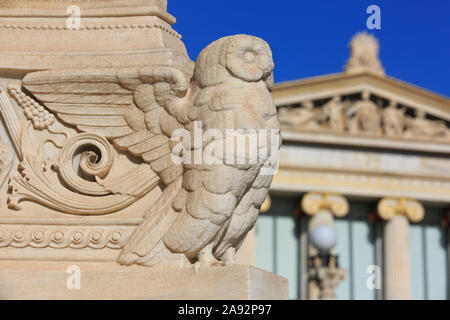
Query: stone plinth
38, 35
39, 280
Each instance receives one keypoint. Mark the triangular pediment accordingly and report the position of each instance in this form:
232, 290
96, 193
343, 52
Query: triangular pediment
364, 109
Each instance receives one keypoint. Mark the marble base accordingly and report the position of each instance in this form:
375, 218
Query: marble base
49, 280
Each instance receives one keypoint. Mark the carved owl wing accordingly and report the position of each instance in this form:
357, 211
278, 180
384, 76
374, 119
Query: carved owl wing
129, 108
119, 104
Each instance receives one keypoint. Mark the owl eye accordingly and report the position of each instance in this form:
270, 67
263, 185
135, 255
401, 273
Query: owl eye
246, 58
249, 57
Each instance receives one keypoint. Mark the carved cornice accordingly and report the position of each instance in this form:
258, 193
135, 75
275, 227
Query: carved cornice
345, 139
287, 92
59, 237
297, 180
91, 9
312, 203
98, 27
389, 207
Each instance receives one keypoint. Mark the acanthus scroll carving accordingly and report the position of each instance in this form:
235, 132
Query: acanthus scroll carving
49, 153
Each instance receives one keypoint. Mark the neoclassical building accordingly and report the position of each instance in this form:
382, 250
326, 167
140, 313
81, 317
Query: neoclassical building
368, 156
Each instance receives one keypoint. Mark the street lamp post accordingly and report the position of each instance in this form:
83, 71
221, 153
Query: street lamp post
324, 273
324, 267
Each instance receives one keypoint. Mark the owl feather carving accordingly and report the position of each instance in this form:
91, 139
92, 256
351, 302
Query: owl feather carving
205, 210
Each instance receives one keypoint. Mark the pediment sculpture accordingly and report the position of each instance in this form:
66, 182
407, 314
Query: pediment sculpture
364, 102
92, 142
363, 116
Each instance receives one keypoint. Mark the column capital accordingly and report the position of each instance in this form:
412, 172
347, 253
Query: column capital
389, 207
313, 203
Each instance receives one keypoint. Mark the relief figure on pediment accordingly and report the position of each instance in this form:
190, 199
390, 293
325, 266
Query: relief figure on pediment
393, 120
364, 117
333, 115
421, 127
304, 117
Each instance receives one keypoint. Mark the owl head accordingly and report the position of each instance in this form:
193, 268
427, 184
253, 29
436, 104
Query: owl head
247, 58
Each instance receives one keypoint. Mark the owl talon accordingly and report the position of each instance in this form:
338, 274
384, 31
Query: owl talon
206, 259
229, 258
197, 267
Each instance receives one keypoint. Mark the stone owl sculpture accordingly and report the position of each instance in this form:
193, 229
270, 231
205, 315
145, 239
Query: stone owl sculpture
205, 210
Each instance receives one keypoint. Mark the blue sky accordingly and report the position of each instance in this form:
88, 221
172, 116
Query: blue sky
310, 38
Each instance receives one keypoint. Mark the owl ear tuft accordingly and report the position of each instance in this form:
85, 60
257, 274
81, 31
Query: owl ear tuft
210, 67
244, 57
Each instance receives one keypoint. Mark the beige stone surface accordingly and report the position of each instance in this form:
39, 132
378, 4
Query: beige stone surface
39, 280
37, 35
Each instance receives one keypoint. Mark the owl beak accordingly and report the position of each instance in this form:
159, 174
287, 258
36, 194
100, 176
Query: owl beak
269, 81
267, 65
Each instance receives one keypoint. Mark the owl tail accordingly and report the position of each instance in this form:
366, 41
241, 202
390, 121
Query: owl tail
145, 246
155, 256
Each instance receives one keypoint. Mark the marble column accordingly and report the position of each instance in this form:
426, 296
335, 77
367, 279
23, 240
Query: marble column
398, 213
323, 209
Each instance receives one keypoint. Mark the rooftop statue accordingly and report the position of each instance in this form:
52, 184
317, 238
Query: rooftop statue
364, 50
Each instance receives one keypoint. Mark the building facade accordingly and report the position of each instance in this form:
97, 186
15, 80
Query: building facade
367, 156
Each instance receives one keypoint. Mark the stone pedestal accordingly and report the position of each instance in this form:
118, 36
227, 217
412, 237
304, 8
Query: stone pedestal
93, 187
49, 280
